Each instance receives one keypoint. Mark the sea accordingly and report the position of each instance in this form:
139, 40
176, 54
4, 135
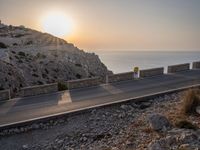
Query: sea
125, 61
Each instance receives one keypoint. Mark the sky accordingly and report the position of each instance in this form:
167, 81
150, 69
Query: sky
115, 24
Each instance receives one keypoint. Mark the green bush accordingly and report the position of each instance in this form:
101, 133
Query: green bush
62, 86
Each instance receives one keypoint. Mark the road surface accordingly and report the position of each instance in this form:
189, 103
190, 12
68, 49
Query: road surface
22, 109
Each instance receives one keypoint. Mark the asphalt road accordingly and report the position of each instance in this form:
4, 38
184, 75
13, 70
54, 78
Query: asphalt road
21, 109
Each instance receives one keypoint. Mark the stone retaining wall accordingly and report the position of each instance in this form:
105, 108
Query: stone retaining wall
37, 90
151, 72
196, 65
4, 95
178, 68
88, 82
120, 77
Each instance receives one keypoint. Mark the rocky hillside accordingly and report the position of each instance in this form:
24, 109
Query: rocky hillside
29, 57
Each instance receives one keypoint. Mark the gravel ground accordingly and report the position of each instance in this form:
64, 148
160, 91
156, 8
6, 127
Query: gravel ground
117, 127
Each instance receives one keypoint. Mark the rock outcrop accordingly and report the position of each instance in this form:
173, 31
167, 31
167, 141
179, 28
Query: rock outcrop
29, 57
158, 122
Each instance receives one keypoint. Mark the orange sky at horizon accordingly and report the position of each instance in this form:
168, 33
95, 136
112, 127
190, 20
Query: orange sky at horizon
116, 24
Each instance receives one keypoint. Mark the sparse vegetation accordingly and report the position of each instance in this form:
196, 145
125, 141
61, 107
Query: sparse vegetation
191, 100
62, 86
22, 54
78, 76
15, 44
2, 45
55, 70
51, 61
78, 65
44, 75
40, 82
35, 75
29, 43
147, 130
185, 124
39, 55
55, 55
19, 35
16, 57
20, 61
35, 70
46, 70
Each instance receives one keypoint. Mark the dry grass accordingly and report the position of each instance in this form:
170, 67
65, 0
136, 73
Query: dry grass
180, 114
147, 130
185, 124
191, 100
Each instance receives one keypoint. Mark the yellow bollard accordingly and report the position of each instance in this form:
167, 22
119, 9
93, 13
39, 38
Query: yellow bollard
136, 72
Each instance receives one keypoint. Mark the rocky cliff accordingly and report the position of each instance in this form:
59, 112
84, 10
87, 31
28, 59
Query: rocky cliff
29, 57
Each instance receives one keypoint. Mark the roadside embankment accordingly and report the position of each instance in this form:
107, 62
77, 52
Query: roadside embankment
115, 127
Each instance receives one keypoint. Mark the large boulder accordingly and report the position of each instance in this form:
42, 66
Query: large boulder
158, 122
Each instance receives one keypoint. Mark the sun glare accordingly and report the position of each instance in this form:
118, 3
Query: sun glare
57, 24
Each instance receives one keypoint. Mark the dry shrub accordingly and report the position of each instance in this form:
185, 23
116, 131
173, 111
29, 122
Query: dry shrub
147, 130
191, 100
185, 124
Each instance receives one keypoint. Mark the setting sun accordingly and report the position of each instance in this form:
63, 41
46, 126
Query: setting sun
57, 23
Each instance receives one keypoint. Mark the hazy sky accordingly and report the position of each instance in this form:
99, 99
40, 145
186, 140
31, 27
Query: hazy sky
116, 24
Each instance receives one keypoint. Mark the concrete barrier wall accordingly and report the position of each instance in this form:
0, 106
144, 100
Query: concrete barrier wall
120, 77
179, 67
74, 84
37, 90
4, 95
151, 72
196, 65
